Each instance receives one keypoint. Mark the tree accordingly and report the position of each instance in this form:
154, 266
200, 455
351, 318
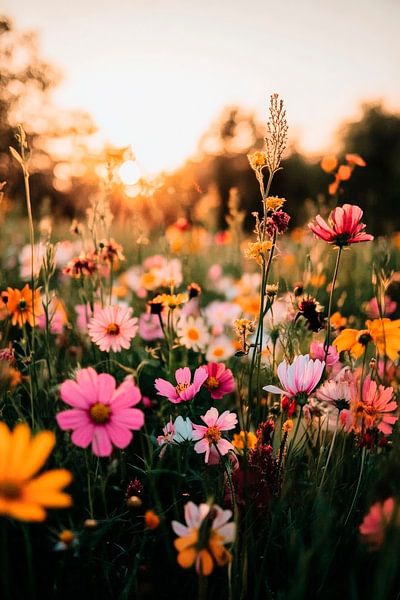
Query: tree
376, 137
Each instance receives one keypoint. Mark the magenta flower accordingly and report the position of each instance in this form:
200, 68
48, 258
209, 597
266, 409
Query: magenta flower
344, 226
184, 390
220, 380
112, 328
210, 438
299, 379
102, 414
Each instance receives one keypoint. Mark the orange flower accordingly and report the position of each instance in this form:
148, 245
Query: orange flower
334, 186
202, 540
356, 160
23, 496
353, 340
244, 439
344, 172
151, 519
384, 333
23, 306
386, 336
329, 163
317, 280
337, 321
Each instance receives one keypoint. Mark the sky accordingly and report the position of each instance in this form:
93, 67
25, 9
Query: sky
155, 73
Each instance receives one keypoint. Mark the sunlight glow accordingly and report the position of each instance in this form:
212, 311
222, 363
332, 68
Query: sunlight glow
129, 172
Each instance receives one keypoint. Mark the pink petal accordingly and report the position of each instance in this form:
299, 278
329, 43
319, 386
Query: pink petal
121, 437
211, 417
128, 417
106, 388
71, 394
183, 375
82, 436
101, 443
200, 375
127, 394
166, 389
72, 419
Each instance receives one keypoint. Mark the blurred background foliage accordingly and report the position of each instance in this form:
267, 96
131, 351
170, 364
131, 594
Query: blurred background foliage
65, 172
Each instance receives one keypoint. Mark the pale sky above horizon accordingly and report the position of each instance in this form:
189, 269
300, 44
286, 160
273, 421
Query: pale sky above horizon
156, 73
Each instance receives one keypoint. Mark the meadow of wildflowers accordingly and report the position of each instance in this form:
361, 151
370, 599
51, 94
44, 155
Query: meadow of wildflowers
200, 415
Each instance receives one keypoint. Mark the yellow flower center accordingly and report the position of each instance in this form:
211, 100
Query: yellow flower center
212, 382
112, 329
9, 490
193, 334
100, 413
213, 435
181, 387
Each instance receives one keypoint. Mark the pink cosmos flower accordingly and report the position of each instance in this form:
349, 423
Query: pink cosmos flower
184, 390
344, 226
375, 523
220, 380
298, 379
317, 350
376, 409
102, 414
112, 328
150, 328
340, 391
209, 437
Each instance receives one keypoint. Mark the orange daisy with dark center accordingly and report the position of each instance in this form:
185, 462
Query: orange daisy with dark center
364, 337
113, 329
213, 435
100, 413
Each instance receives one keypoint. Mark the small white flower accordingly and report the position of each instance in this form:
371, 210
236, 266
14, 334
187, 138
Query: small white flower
193, 333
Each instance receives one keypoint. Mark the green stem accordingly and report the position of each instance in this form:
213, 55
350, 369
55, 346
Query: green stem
358, 486
328, 330
329, 453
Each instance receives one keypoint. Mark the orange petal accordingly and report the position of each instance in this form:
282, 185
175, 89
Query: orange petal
40, 447
25, 511
344, 172
5, 437
205, 563
346, 339
46, 489
18, 450
187, 558
182, 543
